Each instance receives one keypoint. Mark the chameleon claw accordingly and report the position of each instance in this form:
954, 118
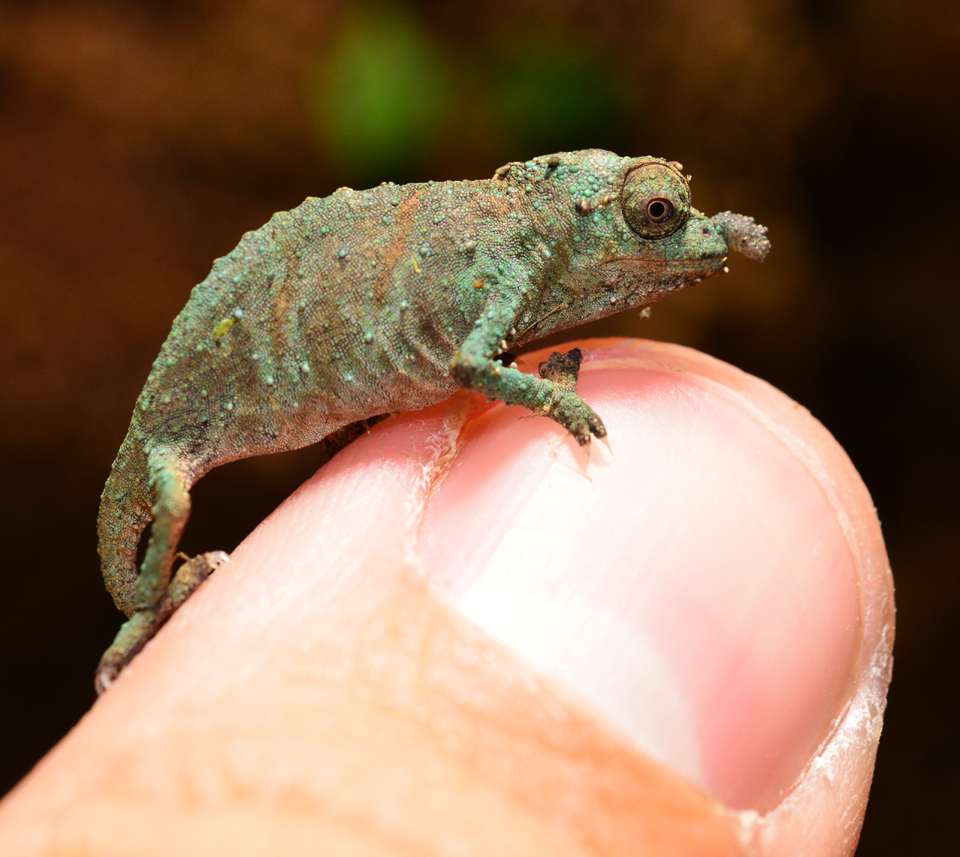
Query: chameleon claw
103, 679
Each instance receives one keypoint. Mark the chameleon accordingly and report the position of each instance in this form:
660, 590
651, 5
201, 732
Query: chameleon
364, 303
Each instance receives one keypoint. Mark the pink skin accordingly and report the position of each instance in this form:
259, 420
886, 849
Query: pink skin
462, 637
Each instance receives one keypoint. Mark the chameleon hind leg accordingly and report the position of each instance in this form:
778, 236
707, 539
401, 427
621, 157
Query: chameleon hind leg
156, 595
563, 369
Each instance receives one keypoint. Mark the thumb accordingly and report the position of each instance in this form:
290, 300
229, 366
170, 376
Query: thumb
453, 640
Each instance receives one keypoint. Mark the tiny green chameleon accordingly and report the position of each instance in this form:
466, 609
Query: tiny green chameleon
368, 302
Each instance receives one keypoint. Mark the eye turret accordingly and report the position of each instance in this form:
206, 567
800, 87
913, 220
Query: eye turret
655, 199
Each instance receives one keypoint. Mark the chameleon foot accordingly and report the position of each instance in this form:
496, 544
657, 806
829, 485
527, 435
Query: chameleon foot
574, 414
138, 630
563, 369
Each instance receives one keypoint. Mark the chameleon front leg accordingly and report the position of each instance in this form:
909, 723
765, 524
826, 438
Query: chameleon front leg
156, 596
554, 396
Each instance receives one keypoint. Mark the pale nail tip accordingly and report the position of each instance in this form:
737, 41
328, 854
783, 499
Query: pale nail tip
563, 646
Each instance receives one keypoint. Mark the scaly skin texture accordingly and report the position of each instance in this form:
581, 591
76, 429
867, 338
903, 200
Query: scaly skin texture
368, 302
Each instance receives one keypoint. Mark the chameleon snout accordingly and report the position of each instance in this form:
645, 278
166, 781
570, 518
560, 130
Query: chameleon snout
743, 234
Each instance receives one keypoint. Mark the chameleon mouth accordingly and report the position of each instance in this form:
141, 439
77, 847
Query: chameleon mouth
719, 261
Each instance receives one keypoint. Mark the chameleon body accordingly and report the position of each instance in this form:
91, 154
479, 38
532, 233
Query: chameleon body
368, 302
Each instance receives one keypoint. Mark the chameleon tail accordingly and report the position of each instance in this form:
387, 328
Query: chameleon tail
144, 487
125, 511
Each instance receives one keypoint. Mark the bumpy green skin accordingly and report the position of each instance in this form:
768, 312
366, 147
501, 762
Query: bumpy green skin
368, 302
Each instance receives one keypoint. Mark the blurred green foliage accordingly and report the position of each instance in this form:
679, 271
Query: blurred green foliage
379, 95
387, 95
551, 98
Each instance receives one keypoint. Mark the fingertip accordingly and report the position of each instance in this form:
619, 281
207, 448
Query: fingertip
317, 691
720, 592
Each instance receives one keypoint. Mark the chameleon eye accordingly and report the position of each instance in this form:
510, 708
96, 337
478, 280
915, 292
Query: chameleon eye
655, 199
660, 210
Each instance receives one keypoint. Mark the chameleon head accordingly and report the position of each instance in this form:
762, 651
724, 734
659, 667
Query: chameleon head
646, 239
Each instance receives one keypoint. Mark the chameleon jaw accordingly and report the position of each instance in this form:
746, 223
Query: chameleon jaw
709, 264
648, 261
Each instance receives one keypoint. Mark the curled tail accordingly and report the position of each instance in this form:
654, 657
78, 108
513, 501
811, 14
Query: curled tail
142, 488
125, 511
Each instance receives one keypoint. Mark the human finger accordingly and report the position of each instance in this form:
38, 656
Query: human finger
341, 682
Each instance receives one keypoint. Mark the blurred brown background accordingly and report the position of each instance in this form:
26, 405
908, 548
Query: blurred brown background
139, 140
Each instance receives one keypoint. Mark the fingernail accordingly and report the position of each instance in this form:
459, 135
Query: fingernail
698, 586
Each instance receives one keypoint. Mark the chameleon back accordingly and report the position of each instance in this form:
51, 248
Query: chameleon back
327, 315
